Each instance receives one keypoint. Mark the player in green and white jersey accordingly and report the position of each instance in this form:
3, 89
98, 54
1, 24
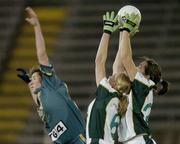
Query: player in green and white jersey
105, 111
146, 79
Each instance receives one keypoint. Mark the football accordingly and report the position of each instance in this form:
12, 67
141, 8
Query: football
128, 9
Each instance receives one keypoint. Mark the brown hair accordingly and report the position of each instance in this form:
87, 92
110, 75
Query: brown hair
33, 70
123, 86
153, 69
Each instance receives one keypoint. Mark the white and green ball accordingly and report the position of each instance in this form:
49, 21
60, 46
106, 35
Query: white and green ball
129, 9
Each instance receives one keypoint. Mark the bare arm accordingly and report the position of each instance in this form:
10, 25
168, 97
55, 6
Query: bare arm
40, 44
126, 55
101, 57
117, 65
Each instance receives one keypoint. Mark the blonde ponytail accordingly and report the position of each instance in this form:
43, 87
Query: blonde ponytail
123, 86
123, 103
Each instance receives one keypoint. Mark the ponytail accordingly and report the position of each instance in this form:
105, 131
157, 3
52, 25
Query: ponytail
123, 103
122, 85
161, 87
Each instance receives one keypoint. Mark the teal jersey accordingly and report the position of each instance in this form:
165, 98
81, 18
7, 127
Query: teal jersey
62, 117
135, 121
103, 118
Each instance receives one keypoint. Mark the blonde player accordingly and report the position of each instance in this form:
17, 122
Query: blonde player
110, 104
145, 79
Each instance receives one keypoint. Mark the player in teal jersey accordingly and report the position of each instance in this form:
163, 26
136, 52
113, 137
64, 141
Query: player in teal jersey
61, 116
105, 111
145, 79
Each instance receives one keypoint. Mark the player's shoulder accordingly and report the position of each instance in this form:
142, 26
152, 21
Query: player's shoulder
140, 78
104, 84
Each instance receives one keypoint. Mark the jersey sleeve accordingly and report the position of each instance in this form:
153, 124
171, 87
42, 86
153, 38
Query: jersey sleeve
49, 76
104, 89
47, 70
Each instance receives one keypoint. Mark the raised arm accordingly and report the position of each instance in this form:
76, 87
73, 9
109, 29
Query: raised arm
40, 43
110, 26
126, 54
129, 29
117, 65
101, 57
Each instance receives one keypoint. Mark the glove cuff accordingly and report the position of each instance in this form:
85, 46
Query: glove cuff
108, 32
124, 29
121, 29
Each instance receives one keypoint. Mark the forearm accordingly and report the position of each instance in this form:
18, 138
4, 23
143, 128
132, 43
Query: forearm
40, 45
109, 27
117, 65
129, 28
125, 47
126, 55
101, 55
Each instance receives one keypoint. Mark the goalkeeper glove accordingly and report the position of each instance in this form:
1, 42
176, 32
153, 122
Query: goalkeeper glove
130, 23
110, 22
22, 74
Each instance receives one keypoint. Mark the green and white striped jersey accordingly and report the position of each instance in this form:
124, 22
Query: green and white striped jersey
135, 121
103, 118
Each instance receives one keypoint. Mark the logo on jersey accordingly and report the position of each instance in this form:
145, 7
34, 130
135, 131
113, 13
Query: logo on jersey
58, 130
114, 125
146, 111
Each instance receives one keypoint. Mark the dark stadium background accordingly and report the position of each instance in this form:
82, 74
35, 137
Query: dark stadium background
72, 30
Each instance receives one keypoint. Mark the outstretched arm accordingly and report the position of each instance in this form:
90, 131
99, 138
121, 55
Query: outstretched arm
110, 26
126, 55
40, 43
101, 57
117, 65
129, 29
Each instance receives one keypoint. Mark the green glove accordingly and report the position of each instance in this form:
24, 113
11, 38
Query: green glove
129, 23
134, 31
110, 22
